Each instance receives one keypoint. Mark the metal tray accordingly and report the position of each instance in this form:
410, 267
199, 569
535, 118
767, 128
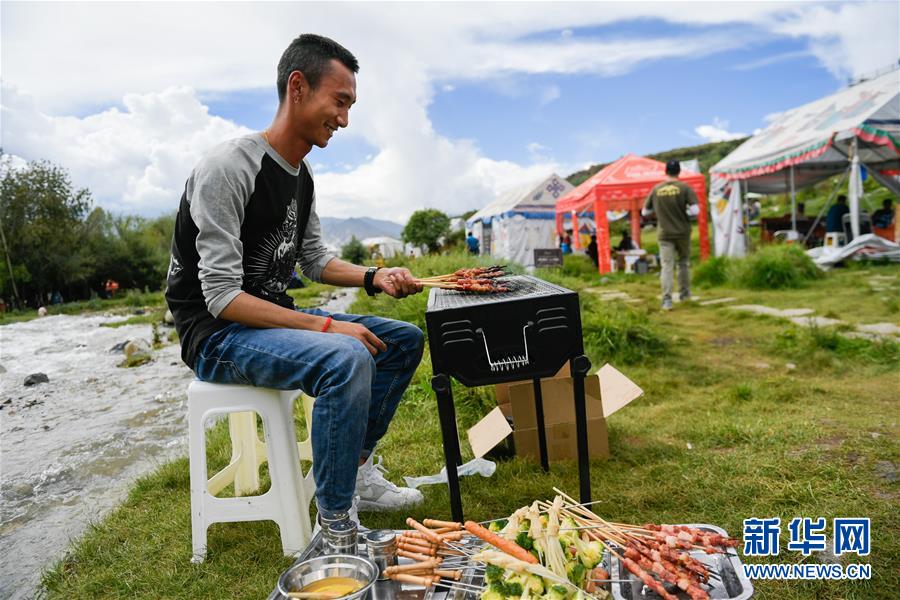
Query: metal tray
386, 590
734, 585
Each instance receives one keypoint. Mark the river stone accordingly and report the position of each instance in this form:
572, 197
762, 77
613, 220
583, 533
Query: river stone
120, 347
168, 318
36, 378
135, 346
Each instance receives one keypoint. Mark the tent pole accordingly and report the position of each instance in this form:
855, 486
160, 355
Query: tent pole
853, 189
635, 226
576, 236
602, 225
793, 202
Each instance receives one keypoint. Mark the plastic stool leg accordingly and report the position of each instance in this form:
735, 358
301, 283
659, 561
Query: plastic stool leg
284, 468
244, 439
197, 453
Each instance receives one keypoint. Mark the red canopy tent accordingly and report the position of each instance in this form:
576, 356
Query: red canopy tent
624, 185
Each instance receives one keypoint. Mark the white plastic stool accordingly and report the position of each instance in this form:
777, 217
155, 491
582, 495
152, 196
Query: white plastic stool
288, 498
834, 239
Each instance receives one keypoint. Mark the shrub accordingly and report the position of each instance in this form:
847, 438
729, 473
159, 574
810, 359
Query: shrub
776, 267
712, 272
617, 334
354, 251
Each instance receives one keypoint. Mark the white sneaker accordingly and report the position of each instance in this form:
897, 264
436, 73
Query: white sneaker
378, 494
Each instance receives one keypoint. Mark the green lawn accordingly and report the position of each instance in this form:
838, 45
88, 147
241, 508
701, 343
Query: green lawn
725, 431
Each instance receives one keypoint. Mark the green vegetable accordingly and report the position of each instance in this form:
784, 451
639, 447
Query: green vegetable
575, 572
513, 589
590, 553
497, 526
558, 592
491, 594
525, 540
493, 573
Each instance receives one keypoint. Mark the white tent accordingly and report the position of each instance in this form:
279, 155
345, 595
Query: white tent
859, 125
519, 221
388, 247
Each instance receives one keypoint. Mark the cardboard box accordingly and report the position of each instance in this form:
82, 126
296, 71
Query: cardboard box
605, 393
501, 390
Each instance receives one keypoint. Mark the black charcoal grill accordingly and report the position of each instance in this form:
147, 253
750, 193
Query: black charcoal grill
526, 333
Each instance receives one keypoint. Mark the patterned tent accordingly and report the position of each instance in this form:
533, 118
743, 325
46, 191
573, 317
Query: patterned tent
519, 221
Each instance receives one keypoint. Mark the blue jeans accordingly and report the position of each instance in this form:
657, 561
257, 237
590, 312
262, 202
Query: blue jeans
356, 394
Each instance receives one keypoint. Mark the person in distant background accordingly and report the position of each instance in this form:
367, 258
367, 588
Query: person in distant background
834, 219
565, 243
627, 243
673, 201
884, 216
472, 244
592, 250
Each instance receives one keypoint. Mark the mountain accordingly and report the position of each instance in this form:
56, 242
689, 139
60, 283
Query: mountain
337, 232
706, 154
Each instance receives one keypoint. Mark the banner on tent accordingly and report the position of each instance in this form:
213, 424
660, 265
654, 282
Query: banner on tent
727, 208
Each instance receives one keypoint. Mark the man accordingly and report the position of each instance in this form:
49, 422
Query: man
592, 250
627, 243
247, 216
884, 216
834, 220
472, 243
672, 200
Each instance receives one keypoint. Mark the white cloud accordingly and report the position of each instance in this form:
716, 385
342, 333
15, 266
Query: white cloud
537, 151
132, 160
717, 132
849, 39
65, 59
549, 94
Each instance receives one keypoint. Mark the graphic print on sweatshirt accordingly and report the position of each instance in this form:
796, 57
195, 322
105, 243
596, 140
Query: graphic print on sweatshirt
269, 268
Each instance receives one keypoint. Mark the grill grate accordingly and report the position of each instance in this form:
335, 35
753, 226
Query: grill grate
520, 286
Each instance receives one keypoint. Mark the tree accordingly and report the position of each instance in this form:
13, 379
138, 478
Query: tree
354, 251
427, 228
42, 215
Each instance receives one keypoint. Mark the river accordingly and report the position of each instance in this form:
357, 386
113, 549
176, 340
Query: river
71, 448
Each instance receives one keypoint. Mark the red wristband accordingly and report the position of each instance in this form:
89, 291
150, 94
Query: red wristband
327, 324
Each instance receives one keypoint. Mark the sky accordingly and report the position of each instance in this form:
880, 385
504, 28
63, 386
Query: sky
457, 101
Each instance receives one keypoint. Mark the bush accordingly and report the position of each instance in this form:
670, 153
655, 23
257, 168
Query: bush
616, 334
353, 251
712, 272
776, 267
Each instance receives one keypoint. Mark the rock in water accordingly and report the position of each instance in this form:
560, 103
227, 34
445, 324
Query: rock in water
36, 378
120, 347
135, 346
168, 318
42, 312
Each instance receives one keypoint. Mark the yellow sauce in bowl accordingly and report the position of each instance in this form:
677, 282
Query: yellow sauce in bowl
335, 587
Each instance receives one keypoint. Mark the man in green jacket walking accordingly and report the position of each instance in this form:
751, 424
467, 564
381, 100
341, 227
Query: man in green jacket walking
674, 202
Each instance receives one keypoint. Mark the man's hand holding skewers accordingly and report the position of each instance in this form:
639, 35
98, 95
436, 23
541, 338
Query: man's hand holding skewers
397, 282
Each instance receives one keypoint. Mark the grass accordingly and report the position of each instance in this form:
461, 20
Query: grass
726, 430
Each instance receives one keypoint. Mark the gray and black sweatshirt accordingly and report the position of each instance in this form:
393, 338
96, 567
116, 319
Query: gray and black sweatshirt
245, 219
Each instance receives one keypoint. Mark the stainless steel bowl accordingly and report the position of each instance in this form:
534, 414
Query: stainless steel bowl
334, 565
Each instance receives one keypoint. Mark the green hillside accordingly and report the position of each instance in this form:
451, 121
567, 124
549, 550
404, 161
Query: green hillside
707, 154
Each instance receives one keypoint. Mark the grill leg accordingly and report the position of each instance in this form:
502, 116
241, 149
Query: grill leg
580, 365
447, 413
542, 434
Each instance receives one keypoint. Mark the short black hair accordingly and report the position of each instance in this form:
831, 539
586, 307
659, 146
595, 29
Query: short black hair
673, 168
311, 54
842, 198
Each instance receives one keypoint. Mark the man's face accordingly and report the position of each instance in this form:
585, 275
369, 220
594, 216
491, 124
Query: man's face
325, 109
